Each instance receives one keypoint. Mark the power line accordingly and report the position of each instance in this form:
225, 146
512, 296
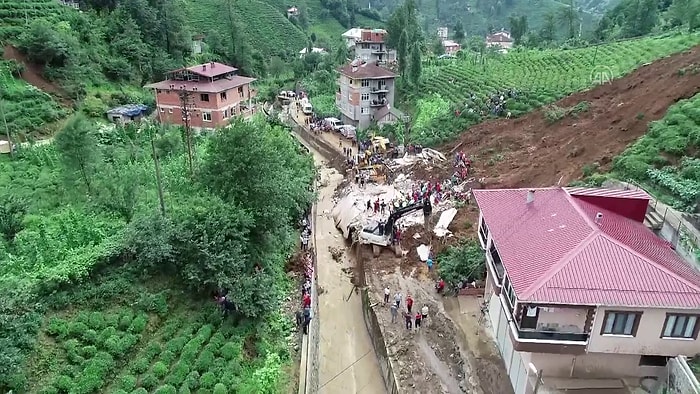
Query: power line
345, 369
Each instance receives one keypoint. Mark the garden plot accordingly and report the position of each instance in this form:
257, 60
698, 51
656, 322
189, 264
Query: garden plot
128, 351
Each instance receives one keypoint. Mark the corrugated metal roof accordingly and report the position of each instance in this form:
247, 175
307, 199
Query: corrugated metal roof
598, 192
129, 110
554, 252
211, 69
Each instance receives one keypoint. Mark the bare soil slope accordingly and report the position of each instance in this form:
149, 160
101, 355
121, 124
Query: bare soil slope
33, 75
532, 151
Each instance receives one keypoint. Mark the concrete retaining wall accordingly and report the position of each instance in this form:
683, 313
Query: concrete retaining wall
681, 379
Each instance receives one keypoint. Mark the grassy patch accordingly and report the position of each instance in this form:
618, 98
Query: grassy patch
666, 158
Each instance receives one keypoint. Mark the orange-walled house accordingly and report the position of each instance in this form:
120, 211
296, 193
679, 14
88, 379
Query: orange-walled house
216, 95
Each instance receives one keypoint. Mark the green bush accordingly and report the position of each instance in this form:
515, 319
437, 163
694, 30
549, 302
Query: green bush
125, 320
104, 335
152, 350
167, 357
193, 380
166, 389
175, 345
128, 382
48, 390
219, 388
184, 389
231, 350
204, 361
207, 380
119, 391
89, 336
149, 381
77, 329
140, 365
217, 341
465, 261
88, 351
178, 374
140, 390
58, 328
138, 324
96, 321
160, 369
64, 383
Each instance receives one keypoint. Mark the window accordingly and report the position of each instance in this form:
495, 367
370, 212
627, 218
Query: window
621, 323
680, 326
365, 83
170, 110
162, 110
653, 361
204, 97
365, 96
223, 95
225, 113
206, 116
364, 110
240, 91
365, 46
483, 232
158, 91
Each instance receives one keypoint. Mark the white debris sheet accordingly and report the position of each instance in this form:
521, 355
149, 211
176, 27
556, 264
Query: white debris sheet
423, 252
445, 219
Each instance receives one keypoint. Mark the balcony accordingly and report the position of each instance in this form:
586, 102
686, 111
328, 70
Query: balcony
553, 336
378, 51
379, 102
551, 329
379, 89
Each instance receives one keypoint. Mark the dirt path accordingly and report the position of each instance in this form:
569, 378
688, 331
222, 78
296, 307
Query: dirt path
348, 362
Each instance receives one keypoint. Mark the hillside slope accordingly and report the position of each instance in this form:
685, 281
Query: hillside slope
532, 151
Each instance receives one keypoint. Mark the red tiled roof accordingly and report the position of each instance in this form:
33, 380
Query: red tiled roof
554, 252
212, 69
366, 71
204, 87
498, 37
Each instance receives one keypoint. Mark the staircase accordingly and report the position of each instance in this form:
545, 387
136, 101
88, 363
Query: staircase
653, 220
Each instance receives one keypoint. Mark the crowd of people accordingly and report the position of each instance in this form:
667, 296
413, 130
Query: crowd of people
413, 319
303, 316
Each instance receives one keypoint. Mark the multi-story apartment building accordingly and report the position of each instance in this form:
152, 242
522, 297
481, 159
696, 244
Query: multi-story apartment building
366, 94
369, 45
578, 286
212, 92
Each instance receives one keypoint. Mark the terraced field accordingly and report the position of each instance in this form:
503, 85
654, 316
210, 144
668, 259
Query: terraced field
263, 26
545, 76
15, 13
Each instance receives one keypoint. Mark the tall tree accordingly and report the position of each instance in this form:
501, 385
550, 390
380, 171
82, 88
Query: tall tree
404, 34
569, 18
518, 27
548, 31
459, 32
77, 147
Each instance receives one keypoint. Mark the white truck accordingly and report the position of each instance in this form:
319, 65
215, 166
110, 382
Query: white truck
306, 106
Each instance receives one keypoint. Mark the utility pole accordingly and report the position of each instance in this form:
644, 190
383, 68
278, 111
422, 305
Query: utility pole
159, 182
186, 109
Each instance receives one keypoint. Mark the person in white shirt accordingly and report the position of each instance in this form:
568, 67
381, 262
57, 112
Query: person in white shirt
424, 312
387, 293
397, 298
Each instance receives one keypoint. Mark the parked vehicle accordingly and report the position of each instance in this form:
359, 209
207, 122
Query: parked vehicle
348, 131
306, 107
333, 123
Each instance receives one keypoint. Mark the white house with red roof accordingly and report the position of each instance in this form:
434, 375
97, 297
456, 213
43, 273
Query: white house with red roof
500, 40
578, 286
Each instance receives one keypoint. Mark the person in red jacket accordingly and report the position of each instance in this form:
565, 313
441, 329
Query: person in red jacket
306, 301
409, 303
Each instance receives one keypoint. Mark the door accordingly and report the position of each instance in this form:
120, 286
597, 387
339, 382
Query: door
529, 319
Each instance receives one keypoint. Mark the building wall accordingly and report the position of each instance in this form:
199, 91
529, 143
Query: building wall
648, 340
353, 99
222, 109
592, 365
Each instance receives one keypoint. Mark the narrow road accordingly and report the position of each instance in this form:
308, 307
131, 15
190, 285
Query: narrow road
348, 363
